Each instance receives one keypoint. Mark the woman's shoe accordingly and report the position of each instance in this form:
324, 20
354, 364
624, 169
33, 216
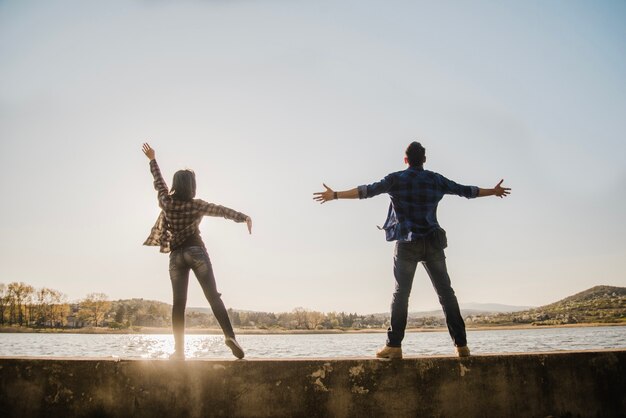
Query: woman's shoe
234, 347
178, 355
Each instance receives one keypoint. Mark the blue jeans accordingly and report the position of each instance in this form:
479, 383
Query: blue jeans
406, 257
181, 262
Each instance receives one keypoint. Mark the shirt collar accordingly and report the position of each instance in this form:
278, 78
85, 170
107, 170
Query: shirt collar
415, 168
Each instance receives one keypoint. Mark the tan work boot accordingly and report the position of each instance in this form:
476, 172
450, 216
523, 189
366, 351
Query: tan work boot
389, 352
462, 351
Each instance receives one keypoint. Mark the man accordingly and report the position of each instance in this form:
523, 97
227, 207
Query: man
412, 222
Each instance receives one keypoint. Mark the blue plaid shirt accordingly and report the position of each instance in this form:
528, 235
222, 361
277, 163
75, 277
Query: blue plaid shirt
415, 194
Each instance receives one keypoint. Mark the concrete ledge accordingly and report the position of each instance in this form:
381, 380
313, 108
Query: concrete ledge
564, 384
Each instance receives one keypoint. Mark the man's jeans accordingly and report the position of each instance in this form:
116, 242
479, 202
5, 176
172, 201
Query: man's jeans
406, 257
196, 259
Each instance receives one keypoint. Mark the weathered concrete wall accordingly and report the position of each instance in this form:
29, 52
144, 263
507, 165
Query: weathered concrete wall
571, 384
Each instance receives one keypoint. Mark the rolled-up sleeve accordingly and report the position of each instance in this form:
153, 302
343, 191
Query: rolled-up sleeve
159, 184
374, 189
450, 187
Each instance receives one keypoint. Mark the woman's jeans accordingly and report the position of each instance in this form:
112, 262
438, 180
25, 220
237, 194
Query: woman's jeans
406, 257
196, 259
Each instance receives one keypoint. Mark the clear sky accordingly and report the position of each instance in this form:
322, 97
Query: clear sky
266, 100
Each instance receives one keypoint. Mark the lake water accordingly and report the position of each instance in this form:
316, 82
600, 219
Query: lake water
309, 345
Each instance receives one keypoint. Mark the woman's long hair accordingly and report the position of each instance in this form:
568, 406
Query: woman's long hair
184, 185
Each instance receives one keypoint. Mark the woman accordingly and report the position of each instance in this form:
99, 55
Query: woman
176, 231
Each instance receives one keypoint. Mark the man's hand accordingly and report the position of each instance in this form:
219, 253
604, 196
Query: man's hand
148, 151
249, 224
324, 197
496, 191
501, 191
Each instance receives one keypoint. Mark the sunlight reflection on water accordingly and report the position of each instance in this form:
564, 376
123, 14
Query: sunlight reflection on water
307, 345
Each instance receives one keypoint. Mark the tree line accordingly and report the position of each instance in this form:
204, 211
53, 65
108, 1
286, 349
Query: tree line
23, 305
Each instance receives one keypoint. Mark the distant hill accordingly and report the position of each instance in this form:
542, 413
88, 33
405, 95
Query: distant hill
467, 309
600, 304
493, 307
605, 296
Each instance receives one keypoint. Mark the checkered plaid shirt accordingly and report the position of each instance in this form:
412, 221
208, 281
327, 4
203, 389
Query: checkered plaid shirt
415, 194
180, 220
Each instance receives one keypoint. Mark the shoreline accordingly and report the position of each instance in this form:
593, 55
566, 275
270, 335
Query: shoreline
244, 331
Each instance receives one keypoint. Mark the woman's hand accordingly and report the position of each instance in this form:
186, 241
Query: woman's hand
148, 151
249, 224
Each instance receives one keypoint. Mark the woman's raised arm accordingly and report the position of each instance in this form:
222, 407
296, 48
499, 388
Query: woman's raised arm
159, 184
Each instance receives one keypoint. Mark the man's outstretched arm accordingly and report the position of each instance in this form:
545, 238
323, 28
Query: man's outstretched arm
330, 194
360, 192
496, 191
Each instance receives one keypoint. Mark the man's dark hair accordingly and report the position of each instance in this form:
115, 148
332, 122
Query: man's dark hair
415, 153
184, 185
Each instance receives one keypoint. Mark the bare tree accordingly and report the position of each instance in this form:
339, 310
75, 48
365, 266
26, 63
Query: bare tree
19, 294
300, 317
314, 319
94, 308
41, 306
59, 313
4, 301
58, 308
50, 308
